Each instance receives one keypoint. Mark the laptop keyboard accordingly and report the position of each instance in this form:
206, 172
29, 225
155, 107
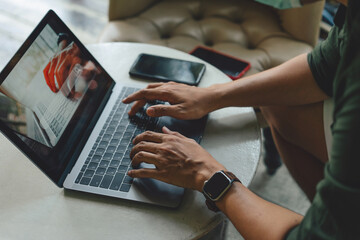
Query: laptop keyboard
109, 160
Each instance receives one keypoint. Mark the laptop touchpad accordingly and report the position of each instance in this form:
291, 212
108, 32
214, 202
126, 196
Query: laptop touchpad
158, 189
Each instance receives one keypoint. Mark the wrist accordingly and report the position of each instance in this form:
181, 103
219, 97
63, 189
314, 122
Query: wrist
230, 195
202, 177
217, 96
217, 187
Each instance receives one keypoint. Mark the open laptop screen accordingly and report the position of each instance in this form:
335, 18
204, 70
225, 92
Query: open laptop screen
49, 93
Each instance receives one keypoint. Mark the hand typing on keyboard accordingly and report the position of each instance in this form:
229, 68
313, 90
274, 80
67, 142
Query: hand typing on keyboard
186, 102
61, 66
178, 160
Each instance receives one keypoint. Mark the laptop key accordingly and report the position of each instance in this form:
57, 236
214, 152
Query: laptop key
114, 142
122, 168
95, 182
89, 173
121, 149
115, 185
128, 179
125, 187
85, 181
126, 161
104, 164
77, 180
128, 151
96, 158
100, 171
127, 135
117, 156
105, 183
100, 151
103, 144
106, 137
111, 171
93, 166
117, 136
107, 156
114, 163
111, 149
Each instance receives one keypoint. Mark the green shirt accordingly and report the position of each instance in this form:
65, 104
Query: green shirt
335, 64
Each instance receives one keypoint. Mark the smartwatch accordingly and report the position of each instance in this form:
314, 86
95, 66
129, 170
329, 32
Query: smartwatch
217, 186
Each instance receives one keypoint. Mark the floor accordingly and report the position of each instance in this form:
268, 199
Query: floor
86, 18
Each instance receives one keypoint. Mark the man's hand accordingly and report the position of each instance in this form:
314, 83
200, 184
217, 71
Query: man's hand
178, 160
187, 102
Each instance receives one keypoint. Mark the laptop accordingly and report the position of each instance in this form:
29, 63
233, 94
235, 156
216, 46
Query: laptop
65, 113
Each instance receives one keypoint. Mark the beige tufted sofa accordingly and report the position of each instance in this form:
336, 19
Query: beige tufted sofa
262, 35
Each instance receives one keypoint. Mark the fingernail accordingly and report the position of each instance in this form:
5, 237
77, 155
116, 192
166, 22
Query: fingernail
165, 129
124, 99
129, 173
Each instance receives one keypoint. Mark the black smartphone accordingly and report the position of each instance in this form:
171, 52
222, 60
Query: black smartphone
231, 66
167, 69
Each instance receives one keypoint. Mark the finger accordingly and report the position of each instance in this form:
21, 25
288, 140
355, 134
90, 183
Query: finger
143, 173
145, 157
155, 85
149, 136
164, 110
136, 107
147, 94
168, 131
141, 103
144, 146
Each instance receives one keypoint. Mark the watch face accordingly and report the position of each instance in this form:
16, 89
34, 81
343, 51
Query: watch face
216, 185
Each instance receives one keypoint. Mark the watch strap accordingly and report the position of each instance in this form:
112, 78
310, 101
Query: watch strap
211, 204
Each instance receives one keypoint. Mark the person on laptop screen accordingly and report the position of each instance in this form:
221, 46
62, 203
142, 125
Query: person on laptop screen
295, 98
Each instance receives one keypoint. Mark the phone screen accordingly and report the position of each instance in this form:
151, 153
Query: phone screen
167, 69
231, 66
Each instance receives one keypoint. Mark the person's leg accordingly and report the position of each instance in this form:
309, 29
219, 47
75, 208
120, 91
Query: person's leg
298, 132
271, 156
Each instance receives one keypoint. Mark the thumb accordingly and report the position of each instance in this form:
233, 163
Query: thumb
168, 131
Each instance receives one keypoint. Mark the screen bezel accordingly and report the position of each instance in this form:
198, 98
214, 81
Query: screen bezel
215, 53
139, 60
70, 155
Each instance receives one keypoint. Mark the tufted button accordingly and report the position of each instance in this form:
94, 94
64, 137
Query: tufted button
165, 36
197, 17
209, 43
238, 20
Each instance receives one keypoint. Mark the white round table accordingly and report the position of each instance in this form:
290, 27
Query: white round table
32, 207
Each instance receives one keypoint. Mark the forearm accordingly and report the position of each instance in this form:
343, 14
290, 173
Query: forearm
291, 83
254, 217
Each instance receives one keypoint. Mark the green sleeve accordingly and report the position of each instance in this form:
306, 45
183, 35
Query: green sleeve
335, 211
324, 59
